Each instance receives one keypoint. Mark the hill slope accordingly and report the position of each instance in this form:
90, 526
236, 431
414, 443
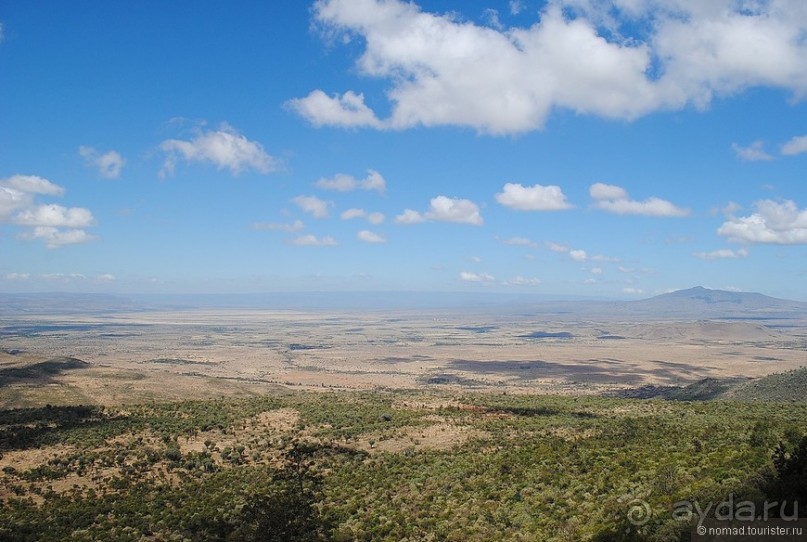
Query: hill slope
789, 386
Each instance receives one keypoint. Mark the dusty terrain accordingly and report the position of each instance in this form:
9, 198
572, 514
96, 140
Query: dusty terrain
140, 356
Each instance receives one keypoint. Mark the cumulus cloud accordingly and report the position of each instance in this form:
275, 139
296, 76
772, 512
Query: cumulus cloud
347, 110
533, 198
578, 255
55, 237
410, 217
618, 60
454, 210
796, 145
614, 199
372, 218
32, 184
295, 226
370, 237
752, 153
313, 205
108, 164
224, 148
53, 215
18, 206
774, 222
17, 276
468, 276
347, 183
444, 209
722, 254
314, 241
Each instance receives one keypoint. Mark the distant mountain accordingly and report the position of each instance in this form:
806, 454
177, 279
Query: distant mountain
706, 303
706, 296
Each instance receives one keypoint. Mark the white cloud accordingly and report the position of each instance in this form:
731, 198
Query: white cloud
12, 199
444, 209
18, 206
32, 184
108, 165
596, 271
781, 223
578, 255
722, 254
533, 198
515, 6
225, 148
53, 215
375, 218
370, 237
347, 110
631, 290
55, 238
314, 241
722, 47
17, 276
372, 218
796, 145
295, 226
105, 277
410, 217
445, 71
346, 183
468, 276
522, 281
614, 199
19, 191
454, 210
752, 153
313, 205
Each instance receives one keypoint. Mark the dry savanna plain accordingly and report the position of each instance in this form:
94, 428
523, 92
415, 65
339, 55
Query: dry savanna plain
526, 422
201, 353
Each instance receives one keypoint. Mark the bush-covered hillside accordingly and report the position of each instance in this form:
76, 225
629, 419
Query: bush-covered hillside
388, 466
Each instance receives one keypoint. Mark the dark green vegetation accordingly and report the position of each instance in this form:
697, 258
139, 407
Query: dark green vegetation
783, 387
789, 386
389, 466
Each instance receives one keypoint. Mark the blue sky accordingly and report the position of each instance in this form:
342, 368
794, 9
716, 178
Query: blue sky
571, 147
